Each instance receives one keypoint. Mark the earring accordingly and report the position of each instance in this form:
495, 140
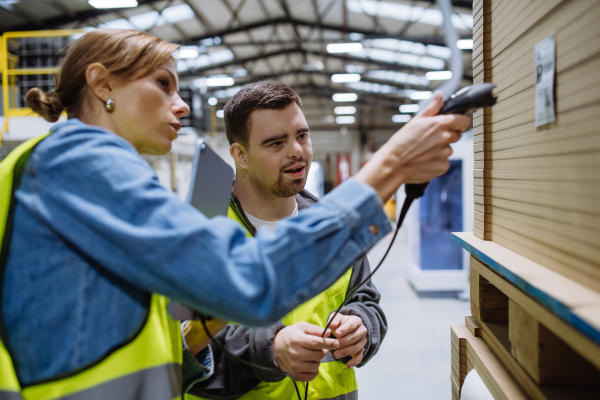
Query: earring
109, 105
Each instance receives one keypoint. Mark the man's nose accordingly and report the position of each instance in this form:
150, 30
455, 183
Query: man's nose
296, 150
180, 108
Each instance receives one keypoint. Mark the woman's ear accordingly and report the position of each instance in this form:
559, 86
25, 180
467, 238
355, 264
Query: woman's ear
239, 155
98, 80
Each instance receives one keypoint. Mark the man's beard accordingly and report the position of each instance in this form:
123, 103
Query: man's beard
288, 188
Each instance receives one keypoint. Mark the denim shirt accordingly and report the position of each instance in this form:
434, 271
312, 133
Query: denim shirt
95, 234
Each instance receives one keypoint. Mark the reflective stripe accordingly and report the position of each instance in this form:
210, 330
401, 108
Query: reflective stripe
347, 396
158, 383
5, 395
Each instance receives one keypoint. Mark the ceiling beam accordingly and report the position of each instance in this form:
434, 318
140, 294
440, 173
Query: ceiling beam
368, 34
379, 64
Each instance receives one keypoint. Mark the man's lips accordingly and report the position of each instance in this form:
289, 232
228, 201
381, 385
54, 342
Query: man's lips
296, 171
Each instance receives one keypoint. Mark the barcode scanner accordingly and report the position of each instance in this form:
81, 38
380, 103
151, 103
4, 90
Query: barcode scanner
464, 101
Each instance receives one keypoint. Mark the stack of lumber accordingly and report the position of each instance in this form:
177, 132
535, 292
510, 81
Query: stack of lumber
534, 331
537, 188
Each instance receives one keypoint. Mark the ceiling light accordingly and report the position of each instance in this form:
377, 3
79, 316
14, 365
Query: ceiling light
401, 118
338, 97
344, 47
409, 108
345, 120
465, 44
226, 81
340, 78
400, 77
416, 95
345, 110
220, 114
212, 101
113, 3
438, 75
188, 52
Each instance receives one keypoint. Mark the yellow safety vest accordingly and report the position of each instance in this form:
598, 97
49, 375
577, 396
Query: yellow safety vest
335, 379
146, 368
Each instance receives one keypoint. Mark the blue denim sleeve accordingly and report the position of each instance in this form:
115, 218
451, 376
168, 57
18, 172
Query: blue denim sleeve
98, 194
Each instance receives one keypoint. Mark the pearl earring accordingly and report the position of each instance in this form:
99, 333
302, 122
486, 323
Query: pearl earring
109, 105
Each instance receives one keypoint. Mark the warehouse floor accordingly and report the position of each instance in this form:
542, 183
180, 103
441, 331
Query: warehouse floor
414, 360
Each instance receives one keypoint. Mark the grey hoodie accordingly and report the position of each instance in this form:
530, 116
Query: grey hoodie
231, 379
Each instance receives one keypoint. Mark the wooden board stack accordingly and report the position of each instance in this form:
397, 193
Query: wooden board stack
535, 265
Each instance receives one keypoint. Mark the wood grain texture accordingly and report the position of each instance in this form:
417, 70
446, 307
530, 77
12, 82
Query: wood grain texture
546, 358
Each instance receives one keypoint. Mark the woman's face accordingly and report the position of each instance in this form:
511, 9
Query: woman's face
147, 110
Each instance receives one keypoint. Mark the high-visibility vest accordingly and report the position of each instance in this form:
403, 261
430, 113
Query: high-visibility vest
335, 379
147, 367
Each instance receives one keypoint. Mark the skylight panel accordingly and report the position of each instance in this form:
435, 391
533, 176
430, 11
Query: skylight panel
405, 12
178, 13
117, 24
145, 20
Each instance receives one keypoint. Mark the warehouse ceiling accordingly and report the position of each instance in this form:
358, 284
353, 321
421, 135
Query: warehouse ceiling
284, 40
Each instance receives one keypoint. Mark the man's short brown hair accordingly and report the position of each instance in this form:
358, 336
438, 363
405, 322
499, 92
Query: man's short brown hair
264, 95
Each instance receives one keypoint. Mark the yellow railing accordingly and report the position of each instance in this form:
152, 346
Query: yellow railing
9, 72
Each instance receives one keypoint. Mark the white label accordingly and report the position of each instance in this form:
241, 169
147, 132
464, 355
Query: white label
545, 62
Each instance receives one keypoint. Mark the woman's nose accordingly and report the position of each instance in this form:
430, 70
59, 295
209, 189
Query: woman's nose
180, 108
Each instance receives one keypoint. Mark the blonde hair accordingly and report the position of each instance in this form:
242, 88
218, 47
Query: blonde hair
126, 54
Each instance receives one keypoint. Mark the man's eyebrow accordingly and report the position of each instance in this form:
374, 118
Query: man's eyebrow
275, 138
303, 130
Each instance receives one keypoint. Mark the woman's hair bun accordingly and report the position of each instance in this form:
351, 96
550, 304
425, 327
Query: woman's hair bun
46, 104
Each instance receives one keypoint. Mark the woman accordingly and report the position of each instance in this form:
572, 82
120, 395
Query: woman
96, 238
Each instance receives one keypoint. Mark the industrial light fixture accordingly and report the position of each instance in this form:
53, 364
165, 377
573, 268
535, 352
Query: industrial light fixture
344, 47
220, 81
212, 101
416, 95
188, 52
220, 114
341, 78
409, 108
347, 119
339, 97
345, 110
401, 118
438, 75
465, 44
113, 3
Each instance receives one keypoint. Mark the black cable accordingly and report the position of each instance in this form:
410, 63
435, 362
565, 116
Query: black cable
412, 192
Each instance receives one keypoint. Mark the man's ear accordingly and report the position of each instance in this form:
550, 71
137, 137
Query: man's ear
239, 155
98, 80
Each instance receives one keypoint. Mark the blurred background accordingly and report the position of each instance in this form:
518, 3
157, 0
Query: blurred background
361, 68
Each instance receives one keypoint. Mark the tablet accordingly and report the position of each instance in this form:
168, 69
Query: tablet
211, 182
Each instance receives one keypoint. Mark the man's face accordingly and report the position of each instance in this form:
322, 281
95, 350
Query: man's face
279, 153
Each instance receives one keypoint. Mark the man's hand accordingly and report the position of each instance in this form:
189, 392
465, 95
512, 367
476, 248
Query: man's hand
299, 349
195, 336
352, 335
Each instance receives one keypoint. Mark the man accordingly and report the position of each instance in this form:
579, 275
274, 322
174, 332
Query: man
271, 146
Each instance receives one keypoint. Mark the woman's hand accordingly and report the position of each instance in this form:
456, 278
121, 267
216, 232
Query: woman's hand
195, 336
416, 153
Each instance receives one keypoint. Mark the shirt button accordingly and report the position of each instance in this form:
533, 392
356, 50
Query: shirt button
374, 229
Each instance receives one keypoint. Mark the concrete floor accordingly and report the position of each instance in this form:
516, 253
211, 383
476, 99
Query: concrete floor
413, 362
